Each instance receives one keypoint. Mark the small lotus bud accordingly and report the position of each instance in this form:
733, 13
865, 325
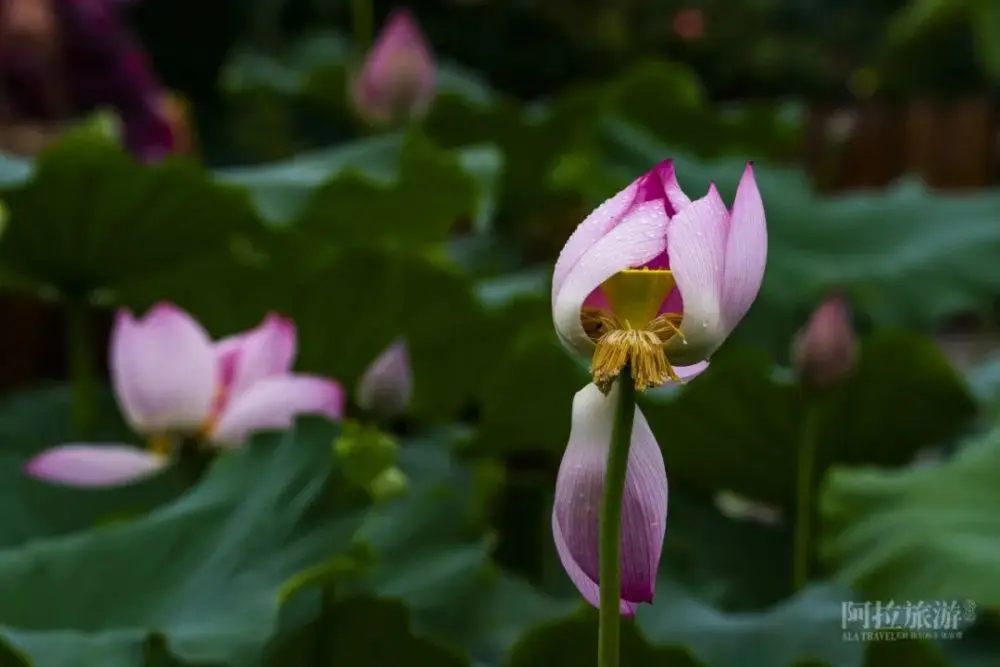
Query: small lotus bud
364, 453
397, 79
387, 385
824, 350
391, 483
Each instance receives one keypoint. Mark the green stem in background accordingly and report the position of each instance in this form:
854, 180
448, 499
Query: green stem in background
324, 631
804, 501
611, 522
361, 18
83, 376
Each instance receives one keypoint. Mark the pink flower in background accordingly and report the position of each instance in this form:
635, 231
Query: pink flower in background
689, 24
656, 279
397, 79
579, 494
824, 350
387, 384
170, 379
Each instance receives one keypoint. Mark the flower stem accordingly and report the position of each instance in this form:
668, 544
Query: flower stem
611, 521
806, 474
361, 19
83, 377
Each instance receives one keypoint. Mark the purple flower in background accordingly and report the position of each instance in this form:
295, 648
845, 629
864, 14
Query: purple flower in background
94, 61
397, 79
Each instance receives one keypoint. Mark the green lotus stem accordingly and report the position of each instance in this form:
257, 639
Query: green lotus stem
611, 523
83, 377
361, 18
804, 502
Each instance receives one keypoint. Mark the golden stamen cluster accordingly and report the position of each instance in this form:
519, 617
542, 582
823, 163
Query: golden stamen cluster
619, 343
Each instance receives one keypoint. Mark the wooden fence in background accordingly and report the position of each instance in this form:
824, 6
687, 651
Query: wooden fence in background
952, 146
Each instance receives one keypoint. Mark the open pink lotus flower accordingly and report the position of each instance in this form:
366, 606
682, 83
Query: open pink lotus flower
580, 492
170, 379
656, 279
387, 384
397, 79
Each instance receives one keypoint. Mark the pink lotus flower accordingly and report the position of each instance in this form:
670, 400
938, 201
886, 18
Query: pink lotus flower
580, 492
397, 79
387, 384
824, 350
170, 379
656, 279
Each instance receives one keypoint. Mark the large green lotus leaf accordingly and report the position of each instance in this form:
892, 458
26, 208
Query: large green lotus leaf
680, 630
667, 99
394, 186
91, 217
535, 143
527, 399
361, 631
921, 534
431, 553
205, 572
348, 307
984, 379
431, 192
738, 426
33, 421
907, 256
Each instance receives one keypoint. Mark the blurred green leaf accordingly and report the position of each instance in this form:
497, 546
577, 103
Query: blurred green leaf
526, 402
667, 99
204, 571
432, 554
90, 217
737, 426
986, 23
921, 534
431, 192
394, 186
363, 631
683, 631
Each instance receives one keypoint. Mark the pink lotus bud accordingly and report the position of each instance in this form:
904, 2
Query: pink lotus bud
824, 350
396, 81
387, 385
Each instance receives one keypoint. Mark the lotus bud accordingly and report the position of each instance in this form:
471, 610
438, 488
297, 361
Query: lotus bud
824, 350
396, 82
387, 385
